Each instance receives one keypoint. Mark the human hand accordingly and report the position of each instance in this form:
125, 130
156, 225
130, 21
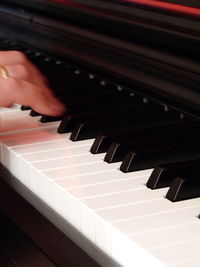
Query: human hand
25, 85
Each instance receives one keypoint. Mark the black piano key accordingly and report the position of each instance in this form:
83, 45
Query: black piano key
134, 161
156, 141
90, 98
34, 113
46, 118
104, 140
64, 126
70, 120
93, 106
162, 176
90, 129
184, 188
25, 108
117, 151
70, 93
89, 95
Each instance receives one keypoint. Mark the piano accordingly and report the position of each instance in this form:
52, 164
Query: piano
118, 174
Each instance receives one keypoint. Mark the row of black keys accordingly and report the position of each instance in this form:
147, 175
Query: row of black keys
176, 145
140, 134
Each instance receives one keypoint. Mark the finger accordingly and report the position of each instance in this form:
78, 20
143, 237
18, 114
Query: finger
35, 72
12, 58
26, 73
18, 58
24, 93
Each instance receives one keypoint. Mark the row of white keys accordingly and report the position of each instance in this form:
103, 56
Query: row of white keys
180, 254
75, 206
15, 150
157, 233
44, 133
17, 128
14, 147
157, 191
79, 171
71, 207
144, 209
140, 217
15, 120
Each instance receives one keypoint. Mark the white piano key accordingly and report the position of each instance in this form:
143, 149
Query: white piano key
76, 157
173, 254
34, 136
127, 253
138, 210
9, 115
135, 181
62, 202
88, 224
20, 138
18, 121
41, 186
175, 233
44, 159
24, 128
106, 188
21, 165
93, 167
119, 200
195, 262
88, 210
14, 107
138, 217
134, 194
160, 206
75, 205
49, 145
134, 226
101, 177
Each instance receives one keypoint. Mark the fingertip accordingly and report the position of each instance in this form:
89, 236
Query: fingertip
50, 106
57, 108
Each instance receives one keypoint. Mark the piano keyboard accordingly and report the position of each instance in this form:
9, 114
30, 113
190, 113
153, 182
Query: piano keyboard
107, 203
116, 211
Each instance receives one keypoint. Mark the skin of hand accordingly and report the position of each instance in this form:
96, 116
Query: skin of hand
25, 85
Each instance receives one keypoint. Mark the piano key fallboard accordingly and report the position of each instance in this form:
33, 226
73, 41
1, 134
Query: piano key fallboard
148, 146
